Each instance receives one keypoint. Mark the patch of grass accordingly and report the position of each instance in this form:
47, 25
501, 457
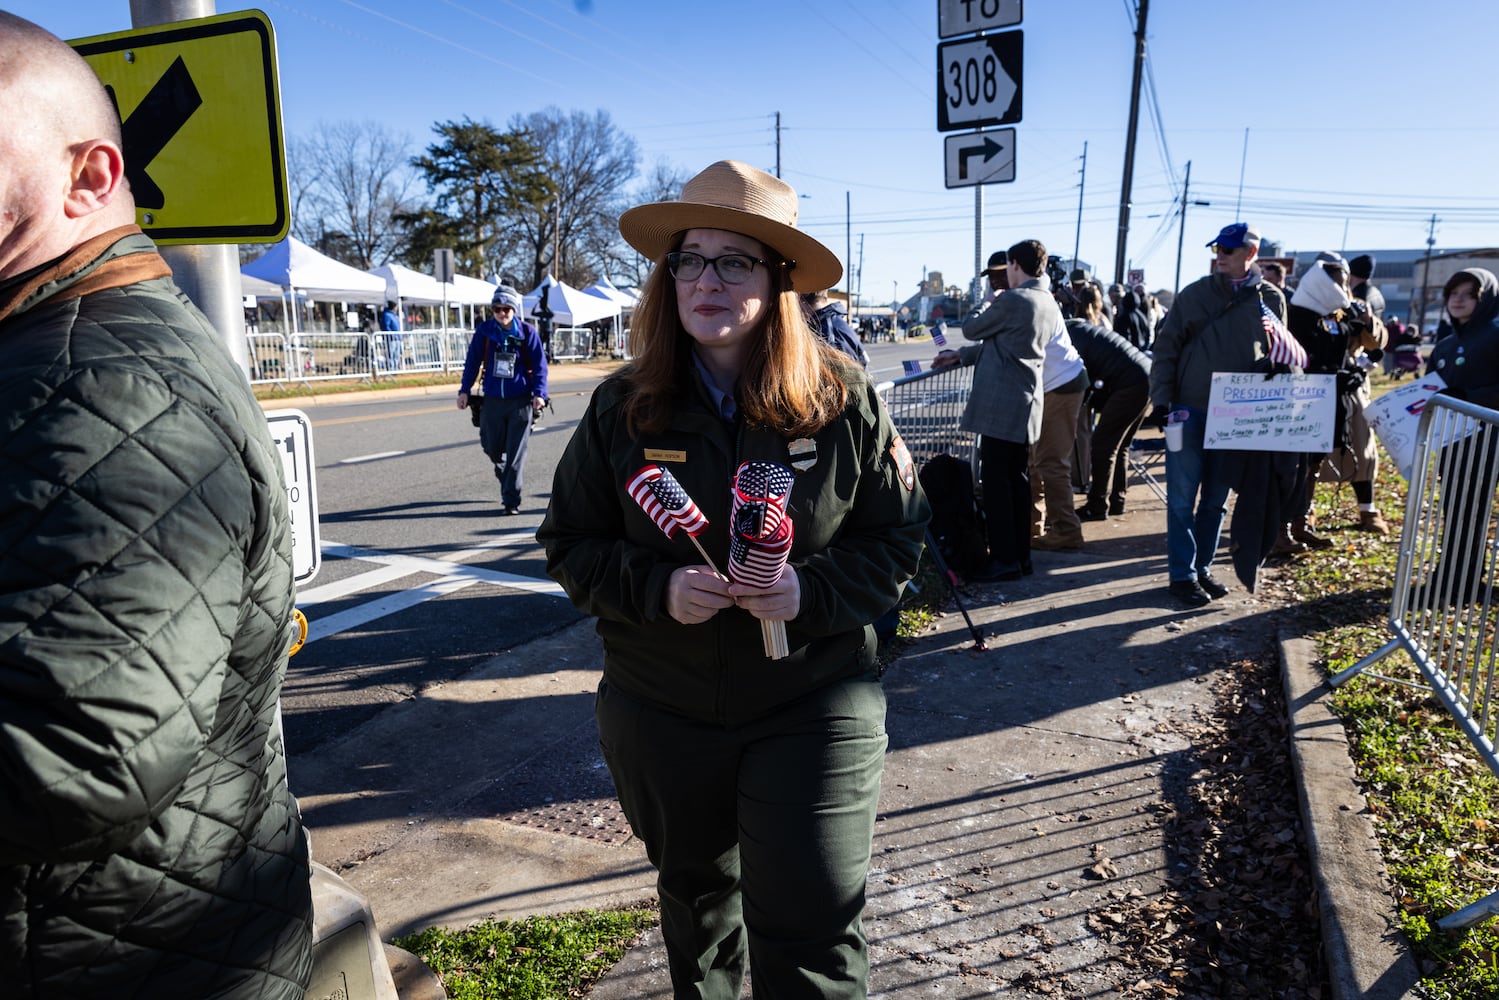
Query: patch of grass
293, 389
1434, 802
538, 958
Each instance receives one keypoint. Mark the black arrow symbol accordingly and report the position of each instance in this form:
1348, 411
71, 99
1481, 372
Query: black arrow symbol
989, 148
152, 124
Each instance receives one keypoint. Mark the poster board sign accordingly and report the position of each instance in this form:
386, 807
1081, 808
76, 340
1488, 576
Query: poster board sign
1396, 416
1250, 412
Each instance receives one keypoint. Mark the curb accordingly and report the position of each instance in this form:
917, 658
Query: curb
1367, 956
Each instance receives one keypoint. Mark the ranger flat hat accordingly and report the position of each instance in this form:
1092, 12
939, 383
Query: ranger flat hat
737, 198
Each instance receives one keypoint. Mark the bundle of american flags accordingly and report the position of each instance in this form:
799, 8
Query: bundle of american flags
760, 535
1285, 349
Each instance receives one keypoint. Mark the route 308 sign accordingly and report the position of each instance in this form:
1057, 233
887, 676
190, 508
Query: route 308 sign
978, 81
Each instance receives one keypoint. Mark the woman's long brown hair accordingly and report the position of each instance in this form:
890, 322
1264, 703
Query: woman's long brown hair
792, 381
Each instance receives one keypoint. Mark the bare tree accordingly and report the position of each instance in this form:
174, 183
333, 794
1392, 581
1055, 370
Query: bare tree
351, 184
589, 161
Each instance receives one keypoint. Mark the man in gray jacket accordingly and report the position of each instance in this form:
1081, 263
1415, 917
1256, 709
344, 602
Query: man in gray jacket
1219, 323
150, 846
1011, 329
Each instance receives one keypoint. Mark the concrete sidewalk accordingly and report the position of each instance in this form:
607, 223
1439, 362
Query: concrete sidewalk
1021, 796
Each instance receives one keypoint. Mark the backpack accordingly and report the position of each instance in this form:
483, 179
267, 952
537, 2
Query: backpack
957, 521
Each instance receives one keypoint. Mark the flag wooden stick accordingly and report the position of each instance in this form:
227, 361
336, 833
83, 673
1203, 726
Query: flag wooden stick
704, 553
773, 634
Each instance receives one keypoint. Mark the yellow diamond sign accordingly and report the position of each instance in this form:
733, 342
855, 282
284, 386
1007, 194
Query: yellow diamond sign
201, 116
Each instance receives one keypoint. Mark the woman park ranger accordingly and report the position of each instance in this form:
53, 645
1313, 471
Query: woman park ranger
751, 780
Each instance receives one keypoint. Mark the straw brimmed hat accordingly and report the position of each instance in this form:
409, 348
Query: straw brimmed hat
737, 198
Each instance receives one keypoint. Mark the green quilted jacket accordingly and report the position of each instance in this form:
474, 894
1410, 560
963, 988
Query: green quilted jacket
149, 846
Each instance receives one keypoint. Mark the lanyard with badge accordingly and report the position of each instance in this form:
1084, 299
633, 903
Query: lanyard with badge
502, 362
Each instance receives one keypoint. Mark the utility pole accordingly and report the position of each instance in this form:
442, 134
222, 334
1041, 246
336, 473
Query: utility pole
860, 272
1431, 241
1077, 238
1129, 144
778, 144
848, 246
1181, 229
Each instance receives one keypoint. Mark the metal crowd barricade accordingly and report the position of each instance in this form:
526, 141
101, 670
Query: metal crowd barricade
323, 357
926, 408
572, 343
1443, 612
267, 356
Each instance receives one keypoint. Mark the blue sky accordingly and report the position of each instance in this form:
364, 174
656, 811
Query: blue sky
1363, 120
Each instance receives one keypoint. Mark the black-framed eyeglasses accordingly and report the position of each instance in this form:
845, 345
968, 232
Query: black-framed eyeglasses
732, 268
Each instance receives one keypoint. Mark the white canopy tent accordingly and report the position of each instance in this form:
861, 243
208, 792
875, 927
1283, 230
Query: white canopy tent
402, 284
300, 270
570, 307
605, 289
472, 291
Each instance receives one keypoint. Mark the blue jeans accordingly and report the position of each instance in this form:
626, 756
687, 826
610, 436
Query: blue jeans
1192, 534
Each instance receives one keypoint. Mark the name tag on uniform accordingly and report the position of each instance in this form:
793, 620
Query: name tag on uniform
661, 455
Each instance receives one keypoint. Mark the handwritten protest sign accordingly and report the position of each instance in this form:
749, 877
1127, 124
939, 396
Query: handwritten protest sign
1396, 416
1249, 412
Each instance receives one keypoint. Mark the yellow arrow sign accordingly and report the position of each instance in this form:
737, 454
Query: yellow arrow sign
200, 108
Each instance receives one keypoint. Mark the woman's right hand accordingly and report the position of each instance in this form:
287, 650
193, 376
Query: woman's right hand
462, 400
695, 594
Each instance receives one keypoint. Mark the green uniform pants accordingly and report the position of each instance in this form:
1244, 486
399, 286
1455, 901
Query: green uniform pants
760, 836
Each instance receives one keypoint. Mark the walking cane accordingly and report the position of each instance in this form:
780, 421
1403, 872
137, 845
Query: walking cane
979, 645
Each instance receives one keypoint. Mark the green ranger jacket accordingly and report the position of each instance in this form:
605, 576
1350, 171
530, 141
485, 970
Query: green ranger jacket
150, 846
859, 520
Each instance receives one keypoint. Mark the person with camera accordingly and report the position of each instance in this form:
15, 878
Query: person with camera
515, 388
1011, 329
1219, 323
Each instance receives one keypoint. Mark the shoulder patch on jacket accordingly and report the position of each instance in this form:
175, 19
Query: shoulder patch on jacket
906, 468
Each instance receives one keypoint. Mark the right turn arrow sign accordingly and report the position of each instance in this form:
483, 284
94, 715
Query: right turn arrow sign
980, 158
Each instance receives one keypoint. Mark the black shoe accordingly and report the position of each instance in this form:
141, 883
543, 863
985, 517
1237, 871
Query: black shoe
1190, 593
511, 511
1116, 510
997, 571
1087, 512
1209, 584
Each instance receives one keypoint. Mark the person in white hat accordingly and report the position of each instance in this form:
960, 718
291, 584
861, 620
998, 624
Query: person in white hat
752, 782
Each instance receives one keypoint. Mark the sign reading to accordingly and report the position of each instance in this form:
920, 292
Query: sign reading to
978, 81
980, 158
291, 431
964, 17
201, 113
1249, 412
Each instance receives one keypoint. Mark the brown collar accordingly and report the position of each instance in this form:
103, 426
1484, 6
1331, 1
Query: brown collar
112, 272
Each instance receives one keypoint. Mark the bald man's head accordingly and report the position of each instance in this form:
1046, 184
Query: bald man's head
61, 170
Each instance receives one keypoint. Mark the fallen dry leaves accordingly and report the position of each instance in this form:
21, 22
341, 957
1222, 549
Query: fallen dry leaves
1239, 919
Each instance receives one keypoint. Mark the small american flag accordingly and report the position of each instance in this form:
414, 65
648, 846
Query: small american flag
1285, 349
910, 368
939, 335
753, 561
665, 502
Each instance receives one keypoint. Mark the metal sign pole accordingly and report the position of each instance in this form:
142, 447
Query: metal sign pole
208, 274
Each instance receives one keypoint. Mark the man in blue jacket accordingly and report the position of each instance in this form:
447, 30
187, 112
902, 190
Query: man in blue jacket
515, 387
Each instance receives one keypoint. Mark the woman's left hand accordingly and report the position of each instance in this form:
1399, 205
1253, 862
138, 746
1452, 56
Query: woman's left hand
777, 603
